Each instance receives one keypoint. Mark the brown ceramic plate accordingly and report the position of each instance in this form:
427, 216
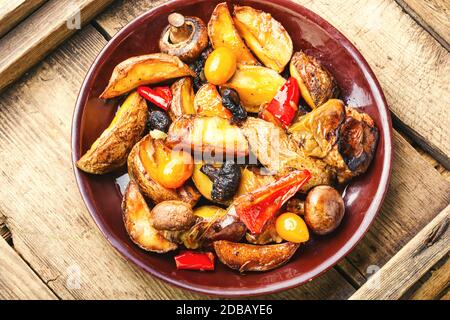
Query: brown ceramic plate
363, 197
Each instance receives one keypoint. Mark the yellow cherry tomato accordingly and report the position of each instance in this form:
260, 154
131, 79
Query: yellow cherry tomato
292, 228
220, 66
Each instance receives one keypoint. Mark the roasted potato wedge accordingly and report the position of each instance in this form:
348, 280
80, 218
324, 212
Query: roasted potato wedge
317, 85
111, 150
222, 33
212, 135
151, 188
183, 98
173, 216
265, 36
139, 223
144, 70
208, 103
256, 86
247, 257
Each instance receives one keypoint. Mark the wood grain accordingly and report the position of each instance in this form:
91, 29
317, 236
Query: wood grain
413, 69
417, 193
436, 285
12, 12
40, 33
433, 15
17, 280
410, 263
50, 225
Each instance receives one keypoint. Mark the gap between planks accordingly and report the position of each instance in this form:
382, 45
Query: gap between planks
432, 15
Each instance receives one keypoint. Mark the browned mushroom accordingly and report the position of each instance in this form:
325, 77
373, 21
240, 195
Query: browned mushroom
324, 210
184, 37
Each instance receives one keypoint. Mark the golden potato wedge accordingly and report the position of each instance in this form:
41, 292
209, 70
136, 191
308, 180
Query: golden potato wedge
247, 257
183, 98
265, 36
317, 85
202, 182
151, 188
110, 151
223, 33
139, 223
208, 102
144, 70
256, 86
212, 135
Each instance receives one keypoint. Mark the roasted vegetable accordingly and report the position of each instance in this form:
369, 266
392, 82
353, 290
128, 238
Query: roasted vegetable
202, 182
173, 216
220, 66
158, 120
159, 96
145, 163
110, 151
223, 33
208, 103
324, 210
268, 236
317, 132
292, 228
197, 261
139, 223
251, 180
280, 155
144, 70
258, 207
256, 86
357, 143
212, 135
232, 102
199, 68
317, 85
265, 36
225, 180
285, 104
344, 138
183, 99
214, 224
184, 37
247, 257
296, 206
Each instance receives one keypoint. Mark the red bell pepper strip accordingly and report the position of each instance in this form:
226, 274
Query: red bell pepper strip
190, 260
256, 208
285, 104
160, 96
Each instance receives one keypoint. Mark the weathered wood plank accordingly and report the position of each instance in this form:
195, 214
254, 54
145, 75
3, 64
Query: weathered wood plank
413, 69
17, 280
435, 285
12, 12
417, 193
411, 262
433, 15
45, 29
49, 223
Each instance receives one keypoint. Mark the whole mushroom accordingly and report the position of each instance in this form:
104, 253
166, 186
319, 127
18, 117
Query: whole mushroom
184, 37
324, 210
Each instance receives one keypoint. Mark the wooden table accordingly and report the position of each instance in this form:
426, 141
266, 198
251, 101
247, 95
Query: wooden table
49, 245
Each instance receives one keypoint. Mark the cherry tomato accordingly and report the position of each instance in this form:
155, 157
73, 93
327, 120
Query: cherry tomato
220, 66
292, 228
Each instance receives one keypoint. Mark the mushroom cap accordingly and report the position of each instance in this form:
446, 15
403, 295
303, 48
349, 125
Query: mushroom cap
191, 48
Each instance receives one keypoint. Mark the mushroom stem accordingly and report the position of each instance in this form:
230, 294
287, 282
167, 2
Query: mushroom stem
179, 30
